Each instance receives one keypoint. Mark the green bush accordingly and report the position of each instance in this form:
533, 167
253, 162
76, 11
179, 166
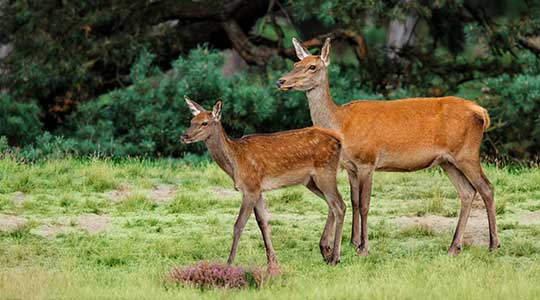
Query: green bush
514, 106
19, 121
148, 117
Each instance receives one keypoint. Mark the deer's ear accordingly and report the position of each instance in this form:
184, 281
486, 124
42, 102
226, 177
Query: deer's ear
325, 52
216, 111
301, 51
194, 107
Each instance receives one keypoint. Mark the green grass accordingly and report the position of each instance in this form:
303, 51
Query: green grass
146, 238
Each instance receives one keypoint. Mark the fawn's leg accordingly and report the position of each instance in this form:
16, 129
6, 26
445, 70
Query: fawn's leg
327, 235
327, 182
262, 216
249, 201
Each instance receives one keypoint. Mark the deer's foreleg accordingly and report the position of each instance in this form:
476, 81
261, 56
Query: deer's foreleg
466, 194
249, 201
355, 204
365, 183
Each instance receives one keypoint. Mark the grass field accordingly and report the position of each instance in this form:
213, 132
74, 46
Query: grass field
72, 229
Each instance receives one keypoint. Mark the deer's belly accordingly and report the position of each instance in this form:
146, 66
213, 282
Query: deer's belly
408, 162
292, 177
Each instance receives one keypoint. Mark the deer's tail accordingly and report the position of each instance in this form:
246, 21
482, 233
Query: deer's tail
482, 115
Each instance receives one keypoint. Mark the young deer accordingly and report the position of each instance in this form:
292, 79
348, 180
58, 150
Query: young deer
402, 135
262, 162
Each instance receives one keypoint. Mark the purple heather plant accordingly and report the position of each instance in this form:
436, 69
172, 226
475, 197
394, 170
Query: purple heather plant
217, 275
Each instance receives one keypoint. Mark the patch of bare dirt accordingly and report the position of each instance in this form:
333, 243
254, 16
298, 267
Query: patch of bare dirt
52, 230
225, 192
93, 223
162, 193
11, 223
119, 194
437, 224
477, 229
476, 232
529, 218
19, 198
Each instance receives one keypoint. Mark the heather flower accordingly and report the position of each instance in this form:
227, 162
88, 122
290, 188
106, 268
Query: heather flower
217, 275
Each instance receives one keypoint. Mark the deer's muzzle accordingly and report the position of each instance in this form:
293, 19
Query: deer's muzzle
185, 139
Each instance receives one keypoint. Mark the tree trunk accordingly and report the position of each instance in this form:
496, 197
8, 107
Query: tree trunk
5, 50
401, 33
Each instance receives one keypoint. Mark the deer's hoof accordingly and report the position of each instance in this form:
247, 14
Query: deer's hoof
494, 247
362, 251
454, 250
326, 253
334, 261
273, 269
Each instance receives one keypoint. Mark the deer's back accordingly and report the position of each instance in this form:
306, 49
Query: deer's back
286, 158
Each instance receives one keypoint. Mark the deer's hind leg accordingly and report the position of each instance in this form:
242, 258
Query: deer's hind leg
478, 179
326, 181
262, 216
328, 233
466, 194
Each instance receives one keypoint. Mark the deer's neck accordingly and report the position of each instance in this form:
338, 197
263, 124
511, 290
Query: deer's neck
322, 106
220, 147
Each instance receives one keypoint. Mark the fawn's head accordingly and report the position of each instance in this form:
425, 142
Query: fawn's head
309, 72
203, 124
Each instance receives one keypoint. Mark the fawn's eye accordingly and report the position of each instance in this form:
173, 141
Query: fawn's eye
204, 123
312, 67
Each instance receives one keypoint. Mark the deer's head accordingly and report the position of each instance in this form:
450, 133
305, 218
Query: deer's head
309, 72
203, 124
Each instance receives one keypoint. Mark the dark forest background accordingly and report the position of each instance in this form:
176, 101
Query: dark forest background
107, 78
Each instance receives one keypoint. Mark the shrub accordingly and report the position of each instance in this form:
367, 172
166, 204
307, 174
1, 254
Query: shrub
514, 106
47, 146
19, 121
148, 117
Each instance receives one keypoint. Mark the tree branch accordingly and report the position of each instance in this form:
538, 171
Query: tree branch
527, 44
247, 50
165, 10
356, 39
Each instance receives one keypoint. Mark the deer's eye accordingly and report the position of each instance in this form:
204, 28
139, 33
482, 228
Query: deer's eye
204, 123
312, 67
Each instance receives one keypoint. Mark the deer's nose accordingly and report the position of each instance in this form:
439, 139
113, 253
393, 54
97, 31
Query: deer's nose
280, 82
184, 138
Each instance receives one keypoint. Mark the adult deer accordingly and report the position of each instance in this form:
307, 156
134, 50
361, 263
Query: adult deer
402, 135
262, 162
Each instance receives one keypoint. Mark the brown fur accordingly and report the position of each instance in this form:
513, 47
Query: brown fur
262, 162
400, 135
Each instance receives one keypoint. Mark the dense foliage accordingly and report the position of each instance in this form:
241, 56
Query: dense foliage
19, 121
514, 104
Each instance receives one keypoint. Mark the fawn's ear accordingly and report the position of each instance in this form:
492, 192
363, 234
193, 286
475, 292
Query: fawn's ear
194, 107
216, 111
325, 52
301, 51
